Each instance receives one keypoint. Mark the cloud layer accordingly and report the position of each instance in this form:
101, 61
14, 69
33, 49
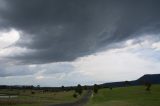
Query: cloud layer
60, 30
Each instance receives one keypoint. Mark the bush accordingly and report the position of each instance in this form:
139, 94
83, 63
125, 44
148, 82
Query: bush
75, 95
110, 88
32, 92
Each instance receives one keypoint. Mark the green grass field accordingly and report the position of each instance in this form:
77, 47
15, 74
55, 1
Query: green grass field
26, 98
127, 96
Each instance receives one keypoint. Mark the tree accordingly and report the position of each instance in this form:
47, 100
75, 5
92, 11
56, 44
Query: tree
110, 88
85, 87
62, 88
148, 86
127, 83
38, 86
79, 89
95, 88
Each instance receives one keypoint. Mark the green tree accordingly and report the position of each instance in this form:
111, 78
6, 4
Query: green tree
95, 88
127, 83
62, 88
148, 86
85, 87
79, 89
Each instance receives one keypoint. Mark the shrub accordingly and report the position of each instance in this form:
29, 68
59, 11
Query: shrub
32, 92
75, 95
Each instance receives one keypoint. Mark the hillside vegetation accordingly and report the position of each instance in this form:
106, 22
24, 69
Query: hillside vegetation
127, 96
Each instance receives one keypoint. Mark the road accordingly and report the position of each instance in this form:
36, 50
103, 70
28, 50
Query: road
80, 102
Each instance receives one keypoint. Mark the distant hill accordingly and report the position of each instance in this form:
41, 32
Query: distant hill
152, 78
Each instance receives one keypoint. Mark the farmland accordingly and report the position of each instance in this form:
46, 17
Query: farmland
126, 96
14, 97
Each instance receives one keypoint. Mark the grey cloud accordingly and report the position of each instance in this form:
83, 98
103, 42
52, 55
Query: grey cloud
63, 30
45, 69
59, 68
6, 71
54, 68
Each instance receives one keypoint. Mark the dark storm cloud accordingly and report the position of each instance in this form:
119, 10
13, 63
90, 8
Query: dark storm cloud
62, 30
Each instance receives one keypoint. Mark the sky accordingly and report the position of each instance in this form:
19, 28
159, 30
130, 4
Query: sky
70, 42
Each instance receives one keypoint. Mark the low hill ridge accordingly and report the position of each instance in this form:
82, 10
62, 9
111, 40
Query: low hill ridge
152, 78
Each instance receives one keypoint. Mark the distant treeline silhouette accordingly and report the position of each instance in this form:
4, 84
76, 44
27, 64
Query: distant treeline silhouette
45, 89
146, 80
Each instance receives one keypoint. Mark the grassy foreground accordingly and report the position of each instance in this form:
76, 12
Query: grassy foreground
127, 96
26, 98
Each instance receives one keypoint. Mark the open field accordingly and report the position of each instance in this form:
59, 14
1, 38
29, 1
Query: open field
26, 98
121, 96
127, 96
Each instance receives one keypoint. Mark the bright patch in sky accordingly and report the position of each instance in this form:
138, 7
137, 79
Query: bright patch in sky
39, 77
8, 38
156, 46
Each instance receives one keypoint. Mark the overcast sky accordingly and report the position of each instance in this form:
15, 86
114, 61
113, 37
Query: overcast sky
66, 42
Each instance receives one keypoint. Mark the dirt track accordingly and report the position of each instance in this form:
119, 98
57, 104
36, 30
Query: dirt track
80, 102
